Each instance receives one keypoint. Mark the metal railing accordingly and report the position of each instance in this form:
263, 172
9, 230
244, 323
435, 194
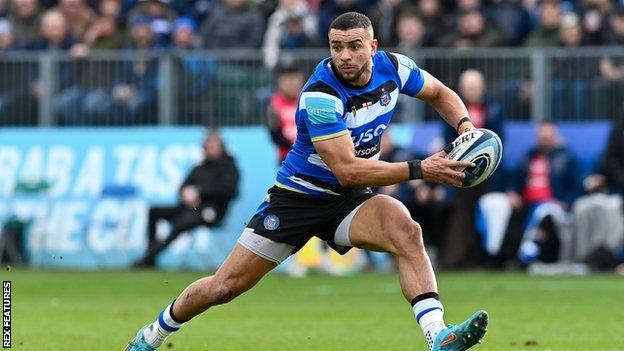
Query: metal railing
233, 87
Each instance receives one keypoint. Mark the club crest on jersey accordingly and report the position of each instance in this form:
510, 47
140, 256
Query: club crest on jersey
385, 99
271, 222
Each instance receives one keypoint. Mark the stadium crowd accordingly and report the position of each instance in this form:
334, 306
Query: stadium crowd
271, 24
91, 89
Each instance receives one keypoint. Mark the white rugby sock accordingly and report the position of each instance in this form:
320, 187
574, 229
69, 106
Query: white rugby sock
164, 325
429, 314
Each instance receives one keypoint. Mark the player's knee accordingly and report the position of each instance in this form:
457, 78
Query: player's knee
407, 238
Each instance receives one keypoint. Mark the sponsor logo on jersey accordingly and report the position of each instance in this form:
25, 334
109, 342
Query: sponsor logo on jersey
271, 222
367, 151
385, 99
368, 135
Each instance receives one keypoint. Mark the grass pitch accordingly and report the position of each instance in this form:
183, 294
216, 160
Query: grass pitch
91, 311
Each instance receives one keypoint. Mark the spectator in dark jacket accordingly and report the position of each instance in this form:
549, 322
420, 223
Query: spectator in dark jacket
204, 197
233, 25
461, 246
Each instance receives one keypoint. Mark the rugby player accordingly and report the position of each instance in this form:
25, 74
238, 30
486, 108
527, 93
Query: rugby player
321, 188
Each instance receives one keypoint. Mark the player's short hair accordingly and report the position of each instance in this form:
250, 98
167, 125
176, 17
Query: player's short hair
351, 20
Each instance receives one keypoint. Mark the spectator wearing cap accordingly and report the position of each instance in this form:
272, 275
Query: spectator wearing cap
194, 73
292, 25
159, 15
184, 36
547, 32
78, 14
233, 24
25, 19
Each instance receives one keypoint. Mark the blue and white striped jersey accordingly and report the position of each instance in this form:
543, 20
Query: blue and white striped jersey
329, 107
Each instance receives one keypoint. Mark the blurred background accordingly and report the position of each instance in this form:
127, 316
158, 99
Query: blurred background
119, 119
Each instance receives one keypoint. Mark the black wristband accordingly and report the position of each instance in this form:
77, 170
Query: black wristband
461, 121
448, 148
415, 169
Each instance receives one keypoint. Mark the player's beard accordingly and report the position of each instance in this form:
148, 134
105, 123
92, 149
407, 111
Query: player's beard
357, 74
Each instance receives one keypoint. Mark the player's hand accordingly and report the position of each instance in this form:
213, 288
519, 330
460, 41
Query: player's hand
438, 169
190, 196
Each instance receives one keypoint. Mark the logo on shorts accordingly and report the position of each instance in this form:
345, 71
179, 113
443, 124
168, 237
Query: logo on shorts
385, 99
271, 222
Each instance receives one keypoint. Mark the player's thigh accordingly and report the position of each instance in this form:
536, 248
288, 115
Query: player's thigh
243, 268
380, 224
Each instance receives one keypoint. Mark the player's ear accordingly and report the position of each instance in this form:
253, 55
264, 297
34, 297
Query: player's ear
374, 45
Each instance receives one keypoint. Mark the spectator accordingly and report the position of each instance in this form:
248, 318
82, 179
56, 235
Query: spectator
25, 21
204, 198
197, 9
432, 16
411, 32
55, 35
615, 31
114, 9
291, 26
233, 25
160, 17
104, 34
545, 184
136, 89
384, 16
473, 31
282, 108
572, 76
7, 37
78, 15
461, 242
547, 32
513, 20
194, 74
594, 24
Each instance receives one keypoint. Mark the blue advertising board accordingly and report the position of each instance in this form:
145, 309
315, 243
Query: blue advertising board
104, 180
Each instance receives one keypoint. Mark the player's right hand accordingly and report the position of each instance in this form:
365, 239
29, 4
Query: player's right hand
438, 169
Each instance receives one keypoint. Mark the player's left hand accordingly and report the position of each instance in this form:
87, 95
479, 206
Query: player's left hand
438, 169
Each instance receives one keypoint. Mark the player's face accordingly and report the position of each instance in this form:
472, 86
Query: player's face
351, 52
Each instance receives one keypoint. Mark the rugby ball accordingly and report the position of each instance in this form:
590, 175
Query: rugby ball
482, 147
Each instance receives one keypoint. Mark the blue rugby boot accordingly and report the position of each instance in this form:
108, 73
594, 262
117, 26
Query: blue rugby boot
139, 344
464, 336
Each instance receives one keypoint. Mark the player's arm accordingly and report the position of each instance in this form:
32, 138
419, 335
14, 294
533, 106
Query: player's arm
339, 155
448, 104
